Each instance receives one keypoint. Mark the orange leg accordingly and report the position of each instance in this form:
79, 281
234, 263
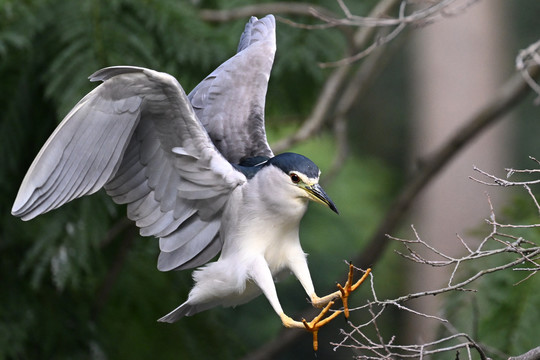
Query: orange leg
350, 287
314, 325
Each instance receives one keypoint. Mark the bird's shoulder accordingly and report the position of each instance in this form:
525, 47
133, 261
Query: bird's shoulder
250, 166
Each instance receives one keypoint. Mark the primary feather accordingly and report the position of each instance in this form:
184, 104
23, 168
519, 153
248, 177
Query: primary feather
236, 123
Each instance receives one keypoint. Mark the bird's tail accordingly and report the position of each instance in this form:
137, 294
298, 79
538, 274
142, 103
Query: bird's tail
176, 314
186, 309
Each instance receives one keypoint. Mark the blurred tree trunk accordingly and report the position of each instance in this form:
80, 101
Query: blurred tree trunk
457, 65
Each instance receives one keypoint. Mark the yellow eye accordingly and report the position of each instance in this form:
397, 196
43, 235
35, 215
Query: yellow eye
294, 178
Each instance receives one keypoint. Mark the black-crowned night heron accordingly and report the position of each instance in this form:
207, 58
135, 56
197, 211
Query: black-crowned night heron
195, 171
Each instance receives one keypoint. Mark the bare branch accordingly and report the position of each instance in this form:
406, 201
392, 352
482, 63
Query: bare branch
355, 88
525, 59
508, 250
433, 11
323, 105
497, 181
513, 91
288, 8
381, 40
339, 79
534, 354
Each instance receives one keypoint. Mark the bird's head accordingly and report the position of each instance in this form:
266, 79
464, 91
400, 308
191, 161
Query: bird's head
302, 178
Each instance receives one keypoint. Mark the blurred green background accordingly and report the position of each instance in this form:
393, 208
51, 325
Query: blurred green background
80, 283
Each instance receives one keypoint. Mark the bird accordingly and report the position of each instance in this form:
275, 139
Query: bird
196, 171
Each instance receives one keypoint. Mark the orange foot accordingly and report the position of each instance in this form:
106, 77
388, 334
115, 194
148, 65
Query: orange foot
314, 325
349, 288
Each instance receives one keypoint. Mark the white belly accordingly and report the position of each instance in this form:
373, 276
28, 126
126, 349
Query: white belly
252, 235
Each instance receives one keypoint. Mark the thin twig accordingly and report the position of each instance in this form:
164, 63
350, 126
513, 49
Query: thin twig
494, 245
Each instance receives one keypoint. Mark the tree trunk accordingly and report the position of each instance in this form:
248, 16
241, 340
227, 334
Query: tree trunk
457, 64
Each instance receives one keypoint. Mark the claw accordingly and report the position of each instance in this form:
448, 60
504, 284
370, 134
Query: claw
314, 325
349, 288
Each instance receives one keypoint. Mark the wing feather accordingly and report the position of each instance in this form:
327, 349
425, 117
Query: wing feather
139, 136
193, 227
121, 137
55, 175
230, 101
190, 249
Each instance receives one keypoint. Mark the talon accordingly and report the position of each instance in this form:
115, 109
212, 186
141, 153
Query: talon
314, 325
349, 288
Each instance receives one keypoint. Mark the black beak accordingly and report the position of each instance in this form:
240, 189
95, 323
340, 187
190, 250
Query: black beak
317, 194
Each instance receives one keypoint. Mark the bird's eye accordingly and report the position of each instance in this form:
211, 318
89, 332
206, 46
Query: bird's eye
294, 178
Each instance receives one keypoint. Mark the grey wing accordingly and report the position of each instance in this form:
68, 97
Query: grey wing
230, 101
137, 136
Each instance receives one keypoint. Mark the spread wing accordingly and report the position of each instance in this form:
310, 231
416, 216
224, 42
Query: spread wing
230, 101
137, 136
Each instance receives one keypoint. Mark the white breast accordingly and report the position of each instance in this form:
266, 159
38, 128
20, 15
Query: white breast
262, 219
